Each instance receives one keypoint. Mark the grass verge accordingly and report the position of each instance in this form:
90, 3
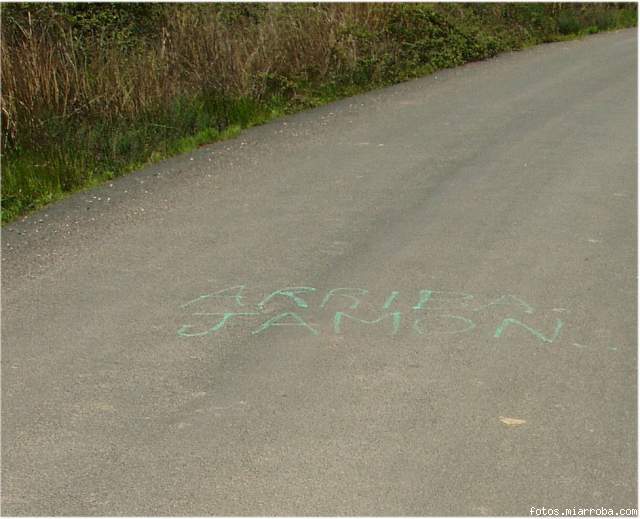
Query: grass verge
94, 91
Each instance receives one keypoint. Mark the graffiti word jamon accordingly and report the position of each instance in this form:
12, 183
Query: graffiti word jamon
346, 309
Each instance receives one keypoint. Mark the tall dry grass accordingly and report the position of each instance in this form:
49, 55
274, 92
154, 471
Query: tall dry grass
47, 72
91, 90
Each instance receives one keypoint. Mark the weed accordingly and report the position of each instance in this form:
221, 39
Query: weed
90, 91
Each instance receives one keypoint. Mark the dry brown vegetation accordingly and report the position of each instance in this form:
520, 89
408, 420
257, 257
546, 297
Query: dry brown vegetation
86, 88
47, 71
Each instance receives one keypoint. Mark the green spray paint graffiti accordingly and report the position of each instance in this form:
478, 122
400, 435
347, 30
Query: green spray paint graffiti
341, 311
277, 321
533, 331
396, 318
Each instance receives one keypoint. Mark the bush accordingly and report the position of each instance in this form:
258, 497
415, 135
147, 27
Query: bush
92, 90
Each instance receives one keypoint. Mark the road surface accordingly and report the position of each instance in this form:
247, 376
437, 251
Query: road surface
417, 301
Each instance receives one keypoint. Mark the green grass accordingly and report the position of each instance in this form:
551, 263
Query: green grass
93, 154
90, 155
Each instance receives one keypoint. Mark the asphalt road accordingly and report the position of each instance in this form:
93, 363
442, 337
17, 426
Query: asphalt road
417, 301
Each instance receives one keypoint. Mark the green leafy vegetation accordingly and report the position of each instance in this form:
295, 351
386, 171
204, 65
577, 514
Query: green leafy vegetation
93, 91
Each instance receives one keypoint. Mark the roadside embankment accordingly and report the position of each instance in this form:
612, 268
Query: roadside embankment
93, 91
